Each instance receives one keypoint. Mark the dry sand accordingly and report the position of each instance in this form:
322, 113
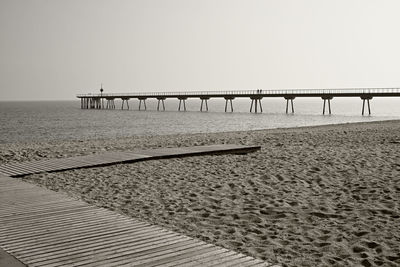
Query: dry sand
313, 196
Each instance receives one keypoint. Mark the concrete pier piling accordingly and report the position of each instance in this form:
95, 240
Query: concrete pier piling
160, 99
182, 100
205, 100
229, 98
327, 99
289, 98
368, 98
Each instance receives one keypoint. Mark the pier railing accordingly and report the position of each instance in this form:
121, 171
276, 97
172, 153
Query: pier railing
347, 91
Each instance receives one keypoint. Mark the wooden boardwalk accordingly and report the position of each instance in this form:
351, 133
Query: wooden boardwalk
108, 158
40, 227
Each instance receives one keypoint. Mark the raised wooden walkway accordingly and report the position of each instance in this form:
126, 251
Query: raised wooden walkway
108, 158
40, 227
96, 101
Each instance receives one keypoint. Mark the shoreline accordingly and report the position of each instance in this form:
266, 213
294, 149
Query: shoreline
67, 138
315, 195
47, 148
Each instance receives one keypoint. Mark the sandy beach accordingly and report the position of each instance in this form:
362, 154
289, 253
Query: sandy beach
312, 196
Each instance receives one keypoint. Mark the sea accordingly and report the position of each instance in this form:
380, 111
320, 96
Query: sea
25, 122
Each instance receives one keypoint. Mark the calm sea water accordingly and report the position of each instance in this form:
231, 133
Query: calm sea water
64, 120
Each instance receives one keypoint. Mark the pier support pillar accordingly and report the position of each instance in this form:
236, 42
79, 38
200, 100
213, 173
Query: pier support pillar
368, 98
255, 102
327, 98
289, 98
229, 98
93, 103
125, 100
182, 99
204, 99
96, 103
110, 103
144, 103
158, 104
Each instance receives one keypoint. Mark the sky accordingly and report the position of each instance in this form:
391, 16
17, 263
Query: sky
54, 49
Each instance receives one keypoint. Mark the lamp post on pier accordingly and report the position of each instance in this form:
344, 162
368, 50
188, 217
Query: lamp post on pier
101, 96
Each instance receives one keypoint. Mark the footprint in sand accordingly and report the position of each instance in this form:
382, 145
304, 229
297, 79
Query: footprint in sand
371, 244
358, 249
361, 233
205, 215
231, 230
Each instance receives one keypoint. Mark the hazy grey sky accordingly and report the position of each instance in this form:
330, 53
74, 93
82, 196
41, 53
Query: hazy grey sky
55, 49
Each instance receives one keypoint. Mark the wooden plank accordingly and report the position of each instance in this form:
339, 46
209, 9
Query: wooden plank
115, 156
61, 218
54, 218
195, 259
44, 166
103, 252
9, 170
87, 225
66, 236
53, 228
55, 162
142, 255
39, 165
92, 161
25, 166
64, 164
15, 209
64, 212
85, 251
133, 154
87, 242
178, 255
61, 164
151, 153
226, 258
210, 261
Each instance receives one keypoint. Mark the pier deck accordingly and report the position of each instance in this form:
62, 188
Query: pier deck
96, 101
348, 92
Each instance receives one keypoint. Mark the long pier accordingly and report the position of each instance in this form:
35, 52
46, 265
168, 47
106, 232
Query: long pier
107, 101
